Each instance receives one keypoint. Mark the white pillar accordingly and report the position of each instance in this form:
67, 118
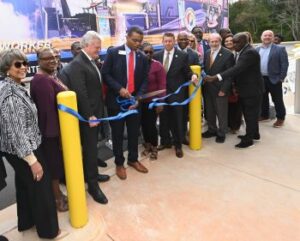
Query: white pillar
297, 87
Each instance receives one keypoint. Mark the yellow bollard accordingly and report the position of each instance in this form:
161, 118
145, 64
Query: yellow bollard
70, 138
195, 114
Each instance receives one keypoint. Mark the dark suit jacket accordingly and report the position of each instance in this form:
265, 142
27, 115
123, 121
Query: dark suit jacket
81, 76
179, 72
223, 61
278, 63
246, 71
114, 71
193, 57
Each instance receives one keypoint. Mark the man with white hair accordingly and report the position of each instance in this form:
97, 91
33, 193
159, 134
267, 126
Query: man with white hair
217, 60
83, 76
274, 66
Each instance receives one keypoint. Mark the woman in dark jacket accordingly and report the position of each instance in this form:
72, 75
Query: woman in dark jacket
43, 90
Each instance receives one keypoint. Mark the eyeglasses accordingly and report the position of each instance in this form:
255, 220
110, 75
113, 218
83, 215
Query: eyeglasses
192, 41
19, 64
148, 52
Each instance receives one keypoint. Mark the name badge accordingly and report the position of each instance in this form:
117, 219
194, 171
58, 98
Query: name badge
122, 52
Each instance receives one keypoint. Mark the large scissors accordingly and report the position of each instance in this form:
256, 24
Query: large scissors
126, 103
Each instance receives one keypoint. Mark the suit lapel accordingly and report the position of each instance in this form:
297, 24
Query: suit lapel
271, 53
218, 57
123, 66
137, 64
175, 56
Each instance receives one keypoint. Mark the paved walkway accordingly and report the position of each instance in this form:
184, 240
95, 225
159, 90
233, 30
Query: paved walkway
216, 194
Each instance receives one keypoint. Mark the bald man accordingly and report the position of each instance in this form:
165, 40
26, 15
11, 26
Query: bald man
274, 66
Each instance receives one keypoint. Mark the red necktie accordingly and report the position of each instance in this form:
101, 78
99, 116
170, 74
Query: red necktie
130, 83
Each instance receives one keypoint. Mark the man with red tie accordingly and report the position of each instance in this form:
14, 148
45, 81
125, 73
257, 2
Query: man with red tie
125, 71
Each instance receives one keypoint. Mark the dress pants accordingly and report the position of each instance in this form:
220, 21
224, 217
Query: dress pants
171, 120
117, 129
234, 115
35, 200
277, 96
251, 110
216, 107
148, 122
89, 139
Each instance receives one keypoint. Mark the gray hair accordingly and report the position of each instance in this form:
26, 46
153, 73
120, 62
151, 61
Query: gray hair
216, 35
7, 57
89, 37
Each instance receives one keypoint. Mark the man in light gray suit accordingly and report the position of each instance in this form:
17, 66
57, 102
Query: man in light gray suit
274, 66
217, 60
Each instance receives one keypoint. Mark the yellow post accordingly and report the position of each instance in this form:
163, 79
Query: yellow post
70, 138
195, 114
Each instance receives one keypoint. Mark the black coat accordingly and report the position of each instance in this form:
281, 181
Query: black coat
114, 71
223, 61
82, 77
179, 72
246, 71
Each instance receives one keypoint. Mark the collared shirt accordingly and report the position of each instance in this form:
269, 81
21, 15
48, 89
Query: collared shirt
20, 134
94, 64
215, 52
171, 54
264, 53
128, 50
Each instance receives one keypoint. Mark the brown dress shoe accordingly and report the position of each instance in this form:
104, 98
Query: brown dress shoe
138, 166
121, 172
179, 152
278, 123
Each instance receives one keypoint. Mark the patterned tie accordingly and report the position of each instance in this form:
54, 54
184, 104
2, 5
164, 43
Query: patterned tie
97, 69
166, 62
130, 84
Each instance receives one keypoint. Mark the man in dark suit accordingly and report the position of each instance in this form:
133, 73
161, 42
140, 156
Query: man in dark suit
203, 45
274, 66
249, 84
125, 72
193, 59
218, 59
178, 71
82, 76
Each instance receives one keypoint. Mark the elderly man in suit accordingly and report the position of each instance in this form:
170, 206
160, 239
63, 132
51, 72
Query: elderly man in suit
178, 71
125, 72
249, 84
82, 76
218, 59
274, 66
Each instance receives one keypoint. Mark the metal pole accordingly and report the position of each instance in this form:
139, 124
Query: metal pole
195, 114
70, 138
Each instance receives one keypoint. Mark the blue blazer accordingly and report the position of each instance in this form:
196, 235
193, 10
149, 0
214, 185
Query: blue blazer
278, 63
114, 72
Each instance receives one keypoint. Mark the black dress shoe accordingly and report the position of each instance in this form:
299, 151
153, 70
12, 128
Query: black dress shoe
101, 163
162, 147
179, 152
208, 134
220, 139
244, 144
103, 178
96, 193
256, 137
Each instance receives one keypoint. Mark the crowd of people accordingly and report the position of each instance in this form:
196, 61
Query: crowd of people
239, 79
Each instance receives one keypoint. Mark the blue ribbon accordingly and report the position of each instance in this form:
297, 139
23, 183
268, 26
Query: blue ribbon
155, 102
125, 103
119, 116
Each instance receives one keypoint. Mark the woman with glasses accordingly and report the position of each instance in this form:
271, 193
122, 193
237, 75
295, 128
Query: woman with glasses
44, 88
20, 141
156, 81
